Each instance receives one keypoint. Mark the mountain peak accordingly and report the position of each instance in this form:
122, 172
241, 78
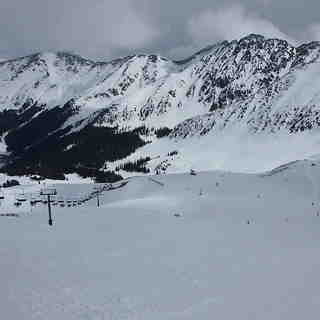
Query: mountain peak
253, 37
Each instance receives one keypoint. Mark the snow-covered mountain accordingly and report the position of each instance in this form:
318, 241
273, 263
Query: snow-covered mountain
246, 105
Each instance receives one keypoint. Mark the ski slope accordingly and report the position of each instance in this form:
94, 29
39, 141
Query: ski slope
217, 245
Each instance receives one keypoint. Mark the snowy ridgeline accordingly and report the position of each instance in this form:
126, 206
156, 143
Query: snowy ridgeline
205, 246
212, 111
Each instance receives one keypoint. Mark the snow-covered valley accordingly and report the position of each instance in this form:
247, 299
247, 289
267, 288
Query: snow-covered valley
212, 245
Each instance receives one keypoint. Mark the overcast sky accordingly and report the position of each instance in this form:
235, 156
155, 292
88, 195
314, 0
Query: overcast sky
105, 29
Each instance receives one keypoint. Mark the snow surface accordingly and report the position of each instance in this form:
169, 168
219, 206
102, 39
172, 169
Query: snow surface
217, 245
230, 150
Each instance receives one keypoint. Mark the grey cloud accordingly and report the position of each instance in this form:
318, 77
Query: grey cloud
92, 28
313, 32
104, 29
231, 23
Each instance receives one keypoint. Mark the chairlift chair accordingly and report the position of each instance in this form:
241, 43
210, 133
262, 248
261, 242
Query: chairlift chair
21, 198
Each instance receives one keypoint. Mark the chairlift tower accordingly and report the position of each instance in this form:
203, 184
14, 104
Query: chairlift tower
49, 193
98, 190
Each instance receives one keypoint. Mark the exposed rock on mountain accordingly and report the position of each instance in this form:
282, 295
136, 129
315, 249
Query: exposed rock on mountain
61, 113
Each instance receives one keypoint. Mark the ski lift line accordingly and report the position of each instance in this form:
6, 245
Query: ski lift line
48, 192
9, 215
